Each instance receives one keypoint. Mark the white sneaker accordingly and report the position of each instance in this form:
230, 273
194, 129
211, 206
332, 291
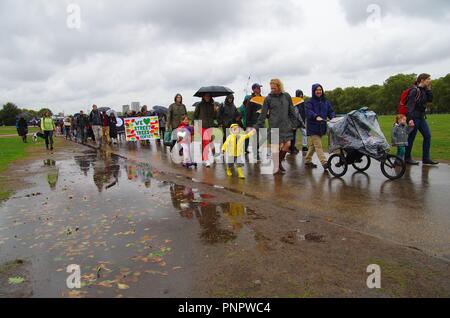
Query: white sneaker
207, 164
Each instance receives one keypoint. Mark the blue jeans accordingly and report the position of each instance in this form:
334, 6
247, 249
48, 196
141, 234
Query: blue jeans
421, 126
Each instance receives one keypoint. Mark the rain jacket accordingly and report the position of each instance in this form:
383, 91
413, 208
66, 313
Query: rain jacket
243, 112
235, 144
253, 113
188, 129
400, 135
175, 115
417, 104
82, 121
206, 113
22, 127
318, 107
228, 114
282, 115
47, 124
95, 118
302, 107
112, 127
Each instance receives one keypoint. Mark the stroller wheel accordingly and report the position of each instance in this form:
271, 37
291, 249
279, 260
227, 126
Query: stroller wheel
393, 167
337, 165
363, 164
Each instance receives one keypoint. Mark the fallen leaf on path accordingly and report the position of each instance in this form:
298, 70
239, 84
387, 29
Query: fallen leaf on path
16, 280
123, 286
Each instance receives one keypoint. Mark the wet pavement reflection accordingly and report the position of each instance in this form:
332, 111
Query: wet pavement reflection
413, 211
127, 230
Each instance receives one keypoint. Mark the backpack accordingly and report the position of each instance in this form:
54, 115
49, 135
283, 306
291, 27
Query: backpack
403, 106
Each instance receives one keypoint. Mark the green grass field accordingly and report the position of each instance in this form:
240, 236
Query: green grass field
440, 131
11, 149
8, 130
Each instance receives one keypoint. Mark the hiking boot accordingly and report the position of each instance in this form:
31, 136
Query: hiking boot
310, 165
412, 162
430, 162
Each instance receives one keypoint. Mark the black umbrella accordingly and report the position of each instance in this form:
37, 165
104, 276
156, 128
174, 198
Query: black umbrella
214, 91
160, 109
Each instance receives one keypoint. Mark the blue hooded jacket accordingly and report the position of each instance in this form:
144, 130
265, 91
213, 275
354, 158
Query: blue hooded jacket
318, 107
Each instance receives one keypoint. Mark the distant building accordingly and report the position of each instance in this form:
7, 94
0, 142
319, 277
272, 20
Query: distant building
126, 109
136, 106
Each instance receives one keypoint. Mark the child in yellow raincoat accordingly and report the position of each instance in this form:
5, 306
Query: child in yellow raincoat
234, 146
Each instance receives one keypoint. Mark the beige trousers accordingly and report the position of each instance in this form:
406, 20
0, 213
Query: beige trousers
315, 146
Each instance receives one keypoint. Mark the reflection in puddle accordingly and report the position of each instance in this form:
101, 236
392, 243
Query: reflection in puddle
52, 178
49, 163
219, 223
115, 216
209, 214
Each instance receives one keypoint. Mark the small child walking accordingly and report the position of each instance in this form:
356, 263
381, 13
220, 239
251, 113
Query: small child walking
400, 134
235, 146
185, 133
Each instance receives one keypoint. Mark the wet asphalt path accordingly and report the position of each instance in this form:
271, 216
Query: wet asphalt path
413, 211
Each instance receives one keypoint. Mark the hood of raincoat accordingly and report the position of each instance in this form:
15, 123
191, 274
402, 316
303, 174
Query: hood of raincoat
314, 87
227, 103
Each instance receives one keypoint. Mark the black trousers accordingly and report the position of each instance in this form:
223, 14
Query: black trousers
48, 135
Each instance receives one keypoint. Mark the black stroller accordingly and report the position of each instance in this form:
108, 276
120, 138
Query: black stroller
356, 139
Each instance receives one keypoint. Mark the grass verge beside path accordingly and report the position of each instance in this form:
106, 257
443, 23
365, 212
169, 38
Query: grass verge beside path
12, 149
440, 132
10, 130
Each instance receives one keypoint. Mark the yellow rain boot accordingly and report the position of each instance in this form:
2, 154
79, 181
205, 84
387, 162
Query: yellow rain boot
229, 172
240, 173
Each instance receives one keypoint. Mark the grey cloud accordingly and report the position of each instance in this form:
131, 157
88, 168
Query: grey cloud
356, 10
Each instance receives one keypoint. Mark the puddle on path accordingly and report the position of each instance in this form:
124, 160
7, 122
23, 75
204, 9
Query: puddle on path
124, 228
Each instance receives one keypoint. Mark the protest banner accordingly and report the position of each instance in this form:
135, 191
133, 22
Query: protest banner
142, 128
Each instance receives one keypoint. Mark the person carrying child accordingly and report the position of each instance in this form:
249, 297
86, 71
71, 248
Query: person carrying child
400, 135
185, 133
234, 146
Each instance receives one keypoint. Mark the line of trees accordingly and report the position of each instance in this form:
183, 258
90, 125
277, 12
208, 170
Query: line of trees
10, 112
384, 99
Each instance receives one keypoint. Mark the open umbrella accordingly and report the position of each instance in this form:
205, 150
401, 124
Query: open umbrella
160, 109
214, 91
111, 111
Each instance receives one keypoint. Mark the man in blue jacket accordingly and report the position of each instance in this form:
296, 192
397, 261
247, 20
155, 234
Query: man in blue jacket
318, 110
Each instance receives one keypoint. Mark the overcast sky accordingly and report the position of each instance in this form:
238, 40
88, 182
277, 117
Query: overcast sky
147, 51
